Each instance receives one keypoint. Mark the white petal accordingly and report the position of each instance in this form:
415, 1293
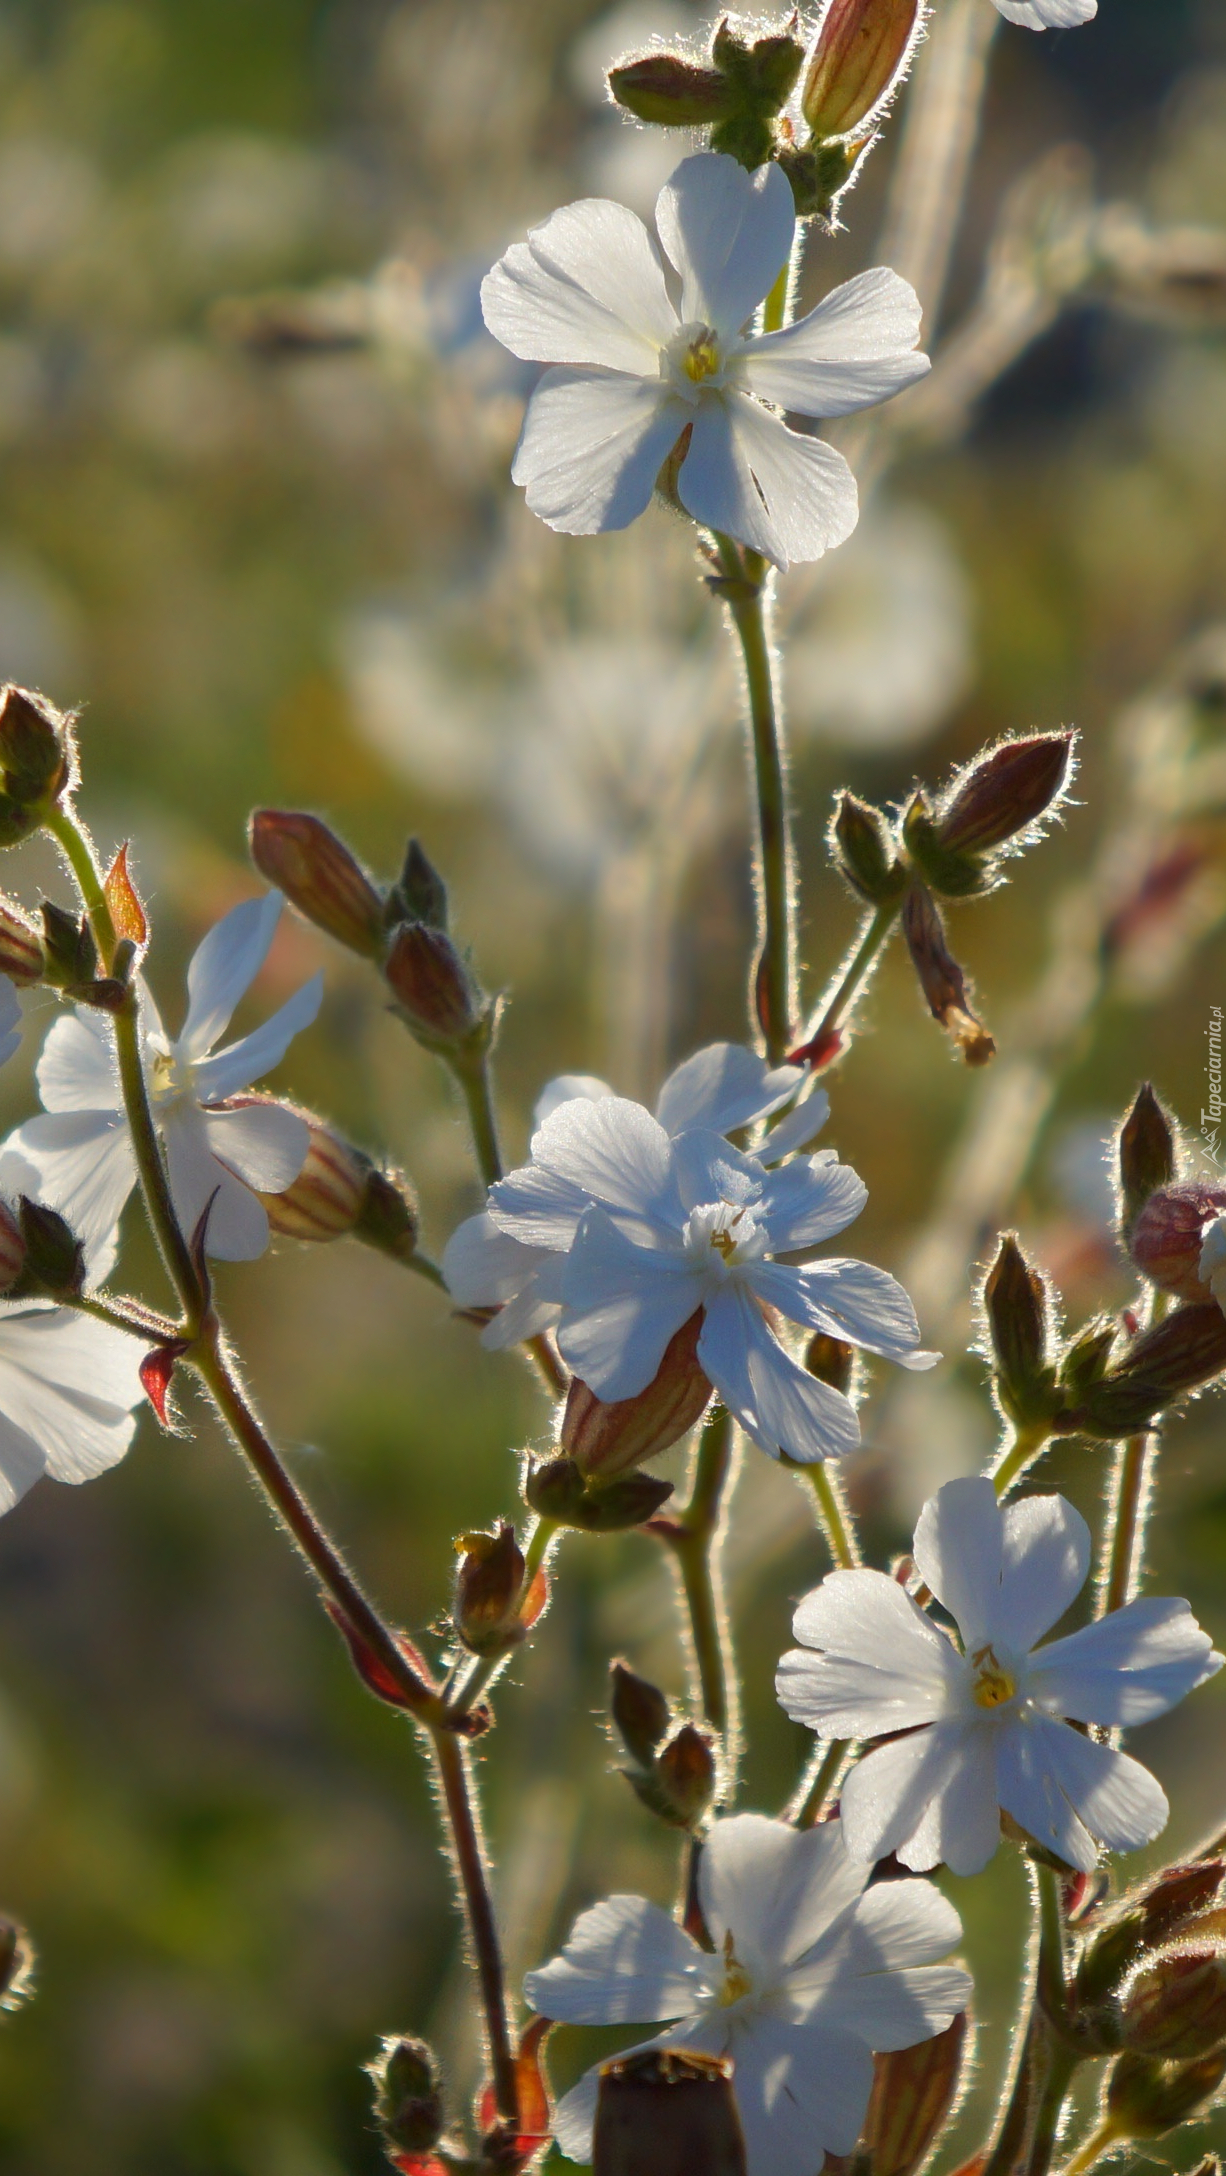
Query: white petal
1067, 1791
849, 1300
611, 1151
797, 1129
885, 1797
536, 1306
960, 1825
1046, 1551
1127, 1667
801, 2091
775, 1889
71, 1394
854, 349
879, 1975
1047, 14
224, 967
256, 1054
808, 488
626, 1962
959, 1553
22, 1463
723, 1087
586, 287
10, 1020
262, 1143
729, 234
78, 1070
238, 1224
85, 1164
483, 1266
881, 1665
622, 1304
774, 1399
810, 1201
708, 1169
592, 445
568, 1088
716, 481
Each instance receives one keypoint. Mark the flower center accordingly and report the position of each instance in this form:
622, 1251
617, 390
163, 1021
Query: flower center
702, 357
170, 1077
694, 359
727, 1230
994, 1687
736, 1982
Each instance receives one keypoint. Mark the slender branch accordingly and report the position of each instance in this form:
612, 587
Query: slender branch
772, 997
856, 973
817, 1784
1129, 1506
694, 1539
472, 1076
836, 1519
1029, 2127
125, 1314
1017, 1455
472, 1872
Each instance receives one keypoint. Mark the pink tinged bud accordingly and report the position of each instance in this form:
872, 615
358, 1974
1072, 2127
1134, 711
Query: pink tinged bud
22, 957
862, 52
319, 876
670, 2111
914, 2090
1176, 2006
1169, 1234
1006, 791
941, 979
12, 1249
1147, 1154
640, 1712
607, 1439
679, 1784
1182, 1354
1171, 1902
491, 1612
325, 1200
1148, 2095
439, 999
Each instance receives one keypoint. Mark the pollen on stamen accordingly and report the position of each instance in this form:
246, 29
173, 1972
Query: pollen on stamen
737, 1983
702, 358
994, 1687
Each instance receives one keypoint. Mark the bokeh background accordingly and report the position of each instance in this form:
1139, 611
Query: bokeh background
255, 517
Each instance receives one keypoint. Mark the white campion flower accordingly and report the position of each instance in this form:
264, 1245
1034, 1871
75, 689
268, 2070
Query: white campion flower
68, 1389
81, 1148
986, 1728
634, 369
812, 1973
1047, 14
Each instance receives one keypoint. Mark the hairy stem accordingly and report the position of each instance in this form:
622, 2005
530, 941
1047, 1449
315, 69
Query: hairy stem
472, 1873
1020, 1453
817, 1784
1030, 2124
856, 973
772, 994
472, 1075
695, 1544
836, 1519
1129, 1506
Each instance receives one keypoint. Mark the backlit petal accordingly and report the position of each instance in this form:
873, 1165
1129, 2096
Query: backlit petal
262, 1143
1070, 1793
622, 1304
856, 348
592, 445
611, 1151
1127, 1667
78, 1070
885, 1797
810, 1201
881, 1665
959, 1553
1047, 14
224, 967
774, 1399
625, 1962
1045, 1559
728, 232
256, 1054
775, 1889
716, 482
849, 1300
85, 1164
808, 489
723, 1087
801, 2090
586, 287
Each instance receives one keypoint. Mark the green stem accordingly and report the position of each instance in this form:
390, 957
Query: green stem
1101, 2140
1014, 1459
1046, 2062
835, 1517
472, 1874
771, 999
1062, 2062
473, 1077
422, 1266
695, 1545
1131, 1490
856, 973
130, 1315
817, 1783
76, 845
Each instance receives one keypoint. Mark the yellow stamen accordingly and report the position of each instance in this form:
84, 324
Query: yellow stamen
701, 358
737, 1982
993, 1685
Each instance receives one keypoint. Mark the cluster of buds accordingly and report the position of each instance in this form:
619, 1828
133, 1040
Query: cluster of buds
492, 1610
670, 2110
1174, 1228
672, 1767
557, 1489
738, 93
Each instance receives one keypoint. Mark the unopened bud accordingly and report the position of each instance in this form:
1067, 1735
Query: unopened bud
671, 90
1005, 793
54, 1259
1018, 1308
680, 1783
1108, 1958
639, 1710
914, 2090
941, 979
70, 956
670, 2110
318, 875
1169, 1233
22, 954
437, 996
1176, 2006
1147, 2096
487, 1591
1147, 1155
408, 2098
860, 56
388, 1218
35, 761
339, 1193
16, 1964
608, 1439
831, 1361
862, 847
1173, 1900
558, 1489
419, 893
1161, 1366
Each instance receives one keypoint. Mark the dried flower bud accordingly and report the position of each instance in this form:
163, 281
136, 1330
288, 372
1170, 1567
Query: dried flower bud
36, 761
22, 953
942, 981
485, 1611
437, 996
1147, 2096
861, 54
408, 2097
862, 849
1179, 1355
914, 2090
1176, 2005
639, 1710
318, 874
1018, 1308
680, 1783
670, 2110
16, 1964
1005, 793
419, 894
1168, 1235
671, 90
559, 1490
1147, 1155
608, 1439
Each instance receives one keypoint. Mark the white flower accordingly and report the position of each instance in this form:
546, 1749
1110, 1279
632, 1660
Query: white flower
722, 1088
1047, 14
68, 1386
811, 1974
984, 1727
82, 1150
589, 293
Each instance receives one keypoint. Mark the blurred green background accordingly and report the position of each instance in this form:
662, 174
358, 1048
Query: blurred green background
271, 547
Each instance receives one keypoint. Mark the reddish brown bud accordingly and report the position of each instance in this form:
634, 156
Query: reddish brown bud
914, 2090
318, 874
1176, 2006
325, 1200
22, 955
669, 2110
1168, 1235
485, 1611
860, 56
1171, 1902
640, 1711
1161, 1366
1147, 1154
558, 1490
1003, 793
1147, 2096
1018, 1308
437, 995
671, 90
831, 1361
942, 981
607, 1439
680, 1783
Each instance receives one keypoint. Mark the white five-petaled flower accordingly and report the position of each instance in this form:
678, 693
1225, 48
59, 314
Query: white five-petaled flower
985, 1727
68, 1386
1047, 14
811, 1973
215, 1153
633, 369
656, 1228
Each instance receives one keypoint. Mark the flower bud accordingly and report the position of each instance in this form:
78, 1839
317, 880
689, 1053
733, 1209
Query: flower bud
1147, 1155
559, 1490
16, 1964
1169, 1233
485, 1611
1005, 793
680, 1783
862, 849
408, 2097
22, 953
1176, 2006
942, 981
419, 893
1172, 1901
671, 90
70, 956
763, 69
820, 175
670, 2110
53, 1257
1018, 1308
860, 56
914, 2090
608, 1439
325, 1200
1147, 2096
831, 1361
318, 874
1179, 1355
437, 996
639, 1710
388, 1219
35, 761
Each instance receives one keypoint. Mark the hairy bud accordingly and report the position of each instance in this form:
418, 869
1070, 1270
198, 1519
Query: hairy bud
408, 2097
53, 1258
1176, 2006
318, 874
16, 1964
861, 54
914, 2090
70, 956
608, 1439
671, 90
670, 2110
486, 1612
558, 1489
831, 1361
1147, 1155
1169, 1233
339, 1193
680, 1783
35, 762
419, 893
1161, 1366
640, 1712
437, 995
1018, 1308
862, 848
1147, 2096
941, 979
1002, 795
22, 952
